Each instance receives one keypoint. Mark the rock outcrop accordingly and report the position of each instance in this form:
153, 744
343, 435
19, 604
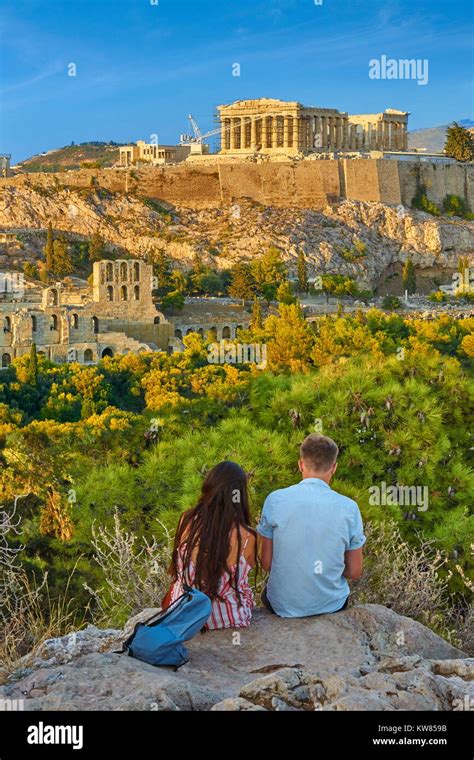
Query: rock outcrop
358, 239
366, 658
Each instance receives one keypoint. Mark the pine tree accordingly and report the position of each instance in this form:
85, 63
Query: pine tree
48, 249
162, 273
256, 322
33, 366
409, 277
62, 261
302, 273
459, 143
96, 248
242, 283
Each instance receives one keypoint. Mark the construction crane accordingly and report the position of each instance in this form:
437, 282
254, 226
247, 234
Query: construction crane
198, 136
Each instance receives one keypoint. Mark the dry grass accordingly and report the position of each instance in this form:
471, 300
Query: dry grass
135, 572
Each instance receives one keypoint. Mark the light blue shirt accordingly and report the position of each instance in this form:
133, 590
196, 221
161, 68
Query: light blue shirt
312, 527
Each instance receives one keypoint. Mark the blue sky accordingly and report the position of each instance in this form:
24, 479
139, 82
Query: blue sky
141, 67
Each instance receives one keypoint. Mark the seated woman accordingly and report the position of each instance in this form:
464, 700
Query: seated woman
215, 548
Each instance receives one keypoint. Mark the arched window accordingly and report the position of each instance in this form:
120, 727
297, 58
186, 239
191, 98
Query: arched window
34, 323
88, 355
53, 298
178, 334
213, 333
123, 293
109, 272
156, 321
136, 271
8, 325
189, 331
239, 327
201, 332
123, 271
6, 360
226, 332
75, 321
136, 293
54, 322
95, 324
107, 352
110, 293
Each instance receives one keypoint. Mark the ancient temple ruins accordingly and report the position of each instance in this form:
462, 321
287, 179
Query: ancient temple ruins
273, 126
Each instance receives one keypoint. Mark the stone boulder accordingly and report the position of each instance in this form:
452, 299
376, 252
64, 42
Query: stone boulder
365, 658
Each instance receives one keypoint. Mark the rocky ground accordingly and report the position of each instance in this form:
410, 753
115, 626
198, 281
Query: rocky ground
225, 235
366, 658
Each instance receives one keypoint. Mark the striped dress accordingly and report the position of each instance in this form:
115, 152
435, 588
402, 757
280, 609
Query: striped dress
226, 612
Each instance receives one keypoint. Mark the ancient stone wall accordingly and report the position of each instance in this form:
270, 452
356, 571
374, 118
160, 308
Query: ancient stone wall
305, 184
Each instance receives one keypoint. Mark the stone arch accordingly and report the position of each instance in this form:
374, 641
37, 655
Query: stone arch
178, 334
213, 333
107, 352
123, 293
75, 321
136, 293
6, 360
95, 325
54, 322
34, 323
123, 271
190, 330
53, 297
156, 321
110, 293
201, 332
109, 272
88, 355
238, 327
226, 332
136, 271
8, 325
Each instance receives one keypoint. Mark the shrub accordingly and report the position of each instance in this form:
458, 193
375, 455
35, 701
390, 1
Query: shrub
422, 202
454, 205
391, 302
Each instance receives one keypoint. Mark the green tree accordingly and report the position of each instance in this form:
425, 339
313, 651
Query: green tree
285, 293
302, 273
162, 272
62, 261
96, 248
459, 143
33, 366
409, 277
256, 321
269, 272
242, 281
173, 302
48, 249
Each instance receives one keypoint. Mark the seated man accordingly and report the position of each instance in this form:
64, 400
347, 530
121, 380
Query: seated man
311, 538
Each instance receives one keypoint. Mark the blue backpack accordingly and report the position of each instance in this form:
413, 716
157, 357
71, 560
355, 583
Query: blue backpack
161, 642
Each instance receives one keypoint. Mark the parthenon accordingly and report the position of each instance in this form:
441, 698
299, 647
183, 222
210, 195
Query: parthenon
266, 125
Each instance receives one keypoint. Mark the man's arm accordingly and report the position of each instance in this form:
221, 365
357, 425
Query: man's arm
353, 564
266, 552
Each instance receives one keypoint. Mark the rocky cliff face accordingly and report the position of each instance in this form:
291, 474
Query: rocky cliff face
362, 240
366, 658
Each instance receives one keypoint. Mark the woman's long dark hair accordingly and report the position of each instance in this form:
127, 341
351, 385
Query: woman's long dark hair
222, 507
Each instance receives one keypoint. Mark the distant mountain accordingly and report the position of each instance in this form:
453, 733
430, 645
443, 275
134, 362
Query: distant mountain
72, 156
432, 139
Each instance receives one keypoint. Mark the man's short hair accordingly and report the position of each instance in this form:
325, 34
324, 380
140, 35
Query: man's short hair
319, 452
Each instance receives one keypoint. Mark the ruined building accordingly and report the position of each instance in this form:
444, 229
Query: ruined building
117, 317
273, 126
